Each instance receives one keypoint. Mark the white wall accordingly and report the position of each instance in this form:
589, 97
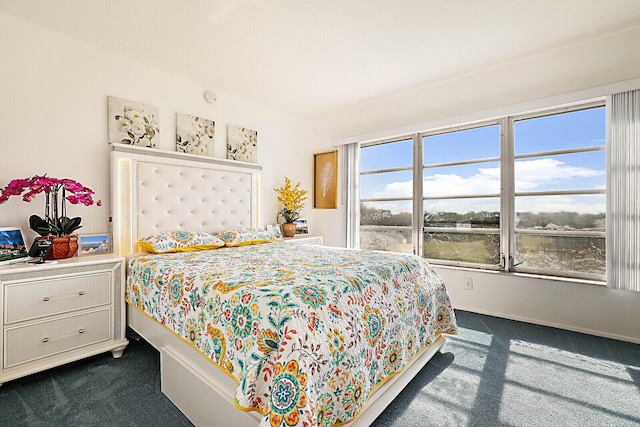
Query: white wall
584, 65
575, 306
53, 119
579, 307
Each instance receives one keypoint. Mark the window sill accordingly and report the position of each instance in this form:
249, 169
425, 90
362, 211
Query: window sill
524, 275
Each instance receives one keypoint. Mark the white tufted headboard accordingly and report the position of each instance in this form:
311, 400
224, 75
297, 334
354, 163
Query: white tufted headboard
154, 190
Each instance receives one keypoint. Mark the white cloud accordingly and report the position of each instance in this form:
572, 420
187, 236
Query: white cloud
398, 189
485, 181
532, 173
538, 174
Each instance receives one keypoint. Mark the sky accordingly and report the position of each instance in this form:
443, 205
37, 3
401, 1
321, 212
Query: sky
576, 171
91, 239
9, 237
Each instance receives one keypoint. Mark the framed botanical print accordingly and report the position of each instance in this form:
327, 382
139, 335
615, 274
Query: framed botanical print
242, 144
132, 123
194, 135
325, 180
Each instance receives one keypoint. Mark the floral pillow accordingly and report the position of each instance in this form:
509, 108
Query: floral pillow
245, 236
179, 241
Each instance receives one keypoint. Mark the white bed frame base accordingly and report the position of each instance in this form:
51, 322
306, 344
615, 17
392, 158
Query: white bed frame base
201, 390
204, 393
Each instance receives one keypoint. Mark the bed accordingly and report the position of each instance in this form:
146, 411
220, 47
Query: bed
266, 334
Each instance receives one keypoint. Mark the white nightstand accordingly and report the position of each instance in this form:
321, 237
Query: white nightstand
52, 314
303, 239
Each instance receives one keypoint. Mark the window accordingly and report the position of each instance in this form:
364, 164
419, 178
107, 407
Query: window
560, 196
461, 195
522, 193
386, 196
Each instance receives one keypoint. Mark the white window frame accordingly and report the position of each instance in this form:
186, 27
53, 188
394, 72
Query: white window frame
507, 194
513, 264
412, 199
460, 230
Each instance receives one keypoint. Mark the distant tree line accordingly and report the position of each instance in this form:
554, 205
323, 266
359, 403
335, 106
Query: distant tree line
486, 219
563, 220
383, 217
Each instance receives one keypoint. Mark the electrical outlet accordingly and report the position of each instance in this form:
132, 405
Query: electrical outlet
468, 283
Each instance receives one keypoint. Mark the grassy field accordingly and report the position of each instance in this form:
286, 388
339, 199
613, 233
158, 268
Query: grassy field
562, 253
476, 251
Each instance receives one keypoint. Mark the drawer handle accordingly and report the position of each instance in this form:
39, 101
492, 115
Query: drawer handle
79, 294
46, 339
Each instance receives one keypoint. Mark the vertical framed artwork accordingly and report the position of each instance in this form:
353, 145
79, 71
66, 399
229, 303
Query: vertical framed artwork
325, 180
132, 123
194, 135
242, 144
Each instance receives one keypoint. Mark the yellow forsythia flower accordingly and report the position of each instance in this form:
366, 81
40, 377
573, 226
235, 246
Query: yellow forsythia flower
292, 198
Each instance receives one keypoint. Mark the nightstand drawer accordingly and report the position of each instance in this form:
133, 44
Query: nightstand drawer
303, 239
44, 297
27, 343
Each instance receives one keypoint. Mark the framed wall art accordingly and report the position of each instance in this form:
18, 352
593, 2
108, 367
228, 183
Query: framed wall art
325, 180
194, 135
242, 144
132, 123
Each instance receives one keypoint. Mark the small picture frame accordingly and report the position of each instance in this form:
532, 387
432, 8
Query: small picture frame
275, 230
302, 226
12, 245
93, 244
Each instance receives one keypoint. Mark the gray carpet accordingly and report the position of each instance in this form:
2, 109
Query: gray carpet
499, 372
495, 373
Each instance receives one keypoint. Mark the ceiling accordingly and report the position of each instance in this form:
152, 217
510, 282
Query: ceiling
314, 57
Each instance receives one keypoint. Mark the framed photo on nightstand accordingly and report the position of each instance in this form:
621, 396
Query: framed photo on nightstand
12, 245
274, 230
92, 244
302, 226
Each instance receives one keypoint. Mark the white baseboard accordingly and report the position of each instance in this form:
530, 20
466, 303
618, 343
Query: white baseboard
551, 324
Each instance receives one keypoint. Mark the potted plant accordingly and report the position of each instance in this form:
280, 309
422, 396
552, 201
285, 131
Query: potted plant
55, 225
293, 200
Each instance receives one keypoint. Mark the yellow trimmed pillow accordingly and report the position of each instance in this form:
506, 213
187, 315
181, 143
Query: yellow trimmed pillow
245, 236
179, 241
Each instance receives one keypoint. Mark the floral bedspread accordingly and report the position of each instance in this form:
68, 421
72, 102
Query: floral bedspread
308, 332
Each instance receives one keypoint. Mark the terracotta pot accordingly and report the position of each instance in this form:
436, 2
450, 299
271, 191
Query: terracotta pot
289, 229
61, 247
